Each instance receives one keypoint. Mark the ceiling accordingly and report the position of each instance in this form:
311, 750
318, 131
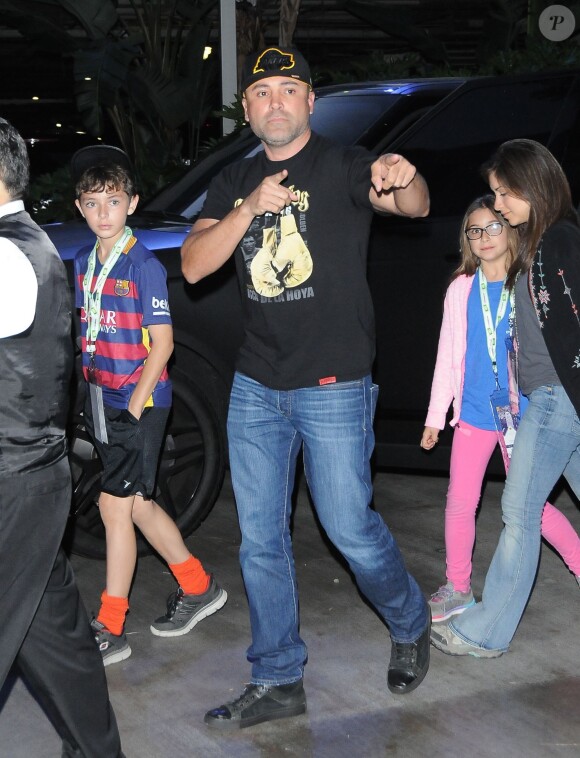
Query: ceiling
325, 32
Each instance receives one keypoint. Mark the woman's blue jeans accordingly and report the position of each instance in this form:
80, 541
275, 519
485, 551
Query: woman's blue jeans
334, 424
546, 446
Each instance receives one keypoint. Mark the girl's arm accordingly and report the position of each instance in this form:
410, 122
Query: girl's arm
442, 387
161, 349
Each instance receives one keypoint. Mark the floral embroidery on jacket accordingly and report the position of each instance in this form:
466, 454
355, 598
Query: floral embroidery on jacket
541, 296
568, 292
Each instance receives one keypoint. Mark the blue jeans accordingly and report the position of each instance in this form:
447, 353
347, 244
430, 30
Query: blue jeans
546, 446
334, 423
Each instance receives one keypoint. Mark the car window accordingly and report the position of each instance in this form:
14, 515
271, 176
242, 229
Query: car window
346, 118
452, 142
193, 209
176, 198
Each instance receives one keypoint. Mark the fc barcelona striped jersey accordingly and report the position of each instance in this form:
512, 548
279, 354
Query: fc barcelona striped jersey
134, 297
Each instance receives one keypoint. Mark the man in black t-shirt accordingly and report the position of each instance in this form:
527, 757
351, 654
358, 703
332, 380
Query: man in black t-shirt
303, 373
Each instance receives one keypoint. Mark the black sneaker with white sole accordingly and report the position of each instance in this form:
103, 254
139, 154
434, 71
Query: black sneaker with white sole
185, 611
114, 647
259, 703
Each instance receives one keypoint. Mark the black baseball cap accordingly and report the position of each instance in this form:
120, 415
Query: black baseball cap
98, 155
275, 61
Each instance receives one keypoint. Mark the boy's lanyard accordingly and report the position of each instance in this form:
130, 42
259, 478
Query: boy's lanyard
490, 328
92, 300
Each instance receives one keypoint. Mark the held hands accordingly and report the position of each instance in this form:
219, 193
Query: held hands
270, 196
390, 172
430, 438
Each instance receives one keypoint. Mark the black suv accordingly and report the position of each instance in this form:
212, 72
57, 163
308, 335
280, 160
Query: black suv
447, 128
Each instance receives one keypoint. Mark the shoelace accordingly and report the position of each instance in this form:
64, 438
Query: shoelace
248, 697
405, 652
443, 593
98, 631
173, 603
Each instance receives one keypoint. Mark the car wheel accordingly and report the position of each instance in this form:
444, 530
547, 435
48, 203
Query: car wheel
190, 474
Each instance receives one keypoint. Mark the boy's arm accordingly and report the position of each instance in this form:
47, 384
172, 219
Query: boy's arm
161, 349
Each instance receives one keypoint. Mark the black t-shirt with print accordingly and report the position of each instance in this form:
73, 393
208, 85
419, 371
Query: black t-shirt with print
308, 313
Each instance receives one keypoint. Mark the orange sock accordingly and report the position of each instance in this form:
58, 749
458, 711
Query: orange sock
190, 576
112, 613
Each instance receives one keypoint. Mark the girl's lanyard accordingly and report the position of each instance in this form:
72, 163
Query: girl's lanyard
490, 327
505, 419
92, 300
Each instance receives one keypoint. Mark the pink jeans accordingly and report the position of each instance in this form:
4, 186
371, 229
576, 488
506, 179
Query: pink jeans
470, 454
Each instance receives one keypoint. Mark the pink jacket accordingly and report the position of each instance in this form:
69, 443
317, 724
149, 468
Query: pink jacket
447, 384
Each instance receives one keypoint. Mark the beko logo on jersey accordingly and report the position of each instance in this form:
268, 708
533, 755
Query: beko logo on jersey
160, 305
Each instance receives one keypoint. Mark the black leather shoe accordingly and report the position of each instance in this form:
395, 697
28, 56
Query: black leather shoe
258, 703
409, 663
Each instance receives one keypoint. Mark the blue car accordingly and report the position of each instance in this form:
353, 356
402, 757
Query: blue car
447, 127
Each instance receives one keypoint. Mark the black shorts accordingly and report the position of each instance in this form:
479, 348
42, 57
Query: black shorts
131, 456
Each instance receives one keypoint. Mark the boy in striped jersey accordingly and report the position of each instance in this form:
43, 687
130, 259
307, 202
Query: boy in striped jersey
127, 339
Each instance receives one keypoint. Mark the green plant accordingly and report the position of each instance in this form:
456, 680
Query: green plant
50, 197
537, 55
143, 72
509, 41
234, 111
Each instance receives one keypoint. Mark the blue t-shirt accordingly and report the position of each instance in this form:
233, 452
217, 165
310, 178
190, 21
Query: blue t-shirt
479, 380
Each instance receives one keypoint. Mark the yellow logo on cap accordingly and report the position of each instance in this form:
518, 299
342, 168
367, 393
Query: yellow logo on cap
282, 61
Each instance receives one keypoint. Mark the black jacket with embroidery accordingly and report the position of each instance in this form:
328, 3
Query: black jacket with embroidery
554, 280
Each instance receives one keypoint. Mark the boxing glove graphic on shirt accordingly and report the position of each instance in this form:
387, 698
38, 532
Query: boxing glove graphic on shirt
278, 266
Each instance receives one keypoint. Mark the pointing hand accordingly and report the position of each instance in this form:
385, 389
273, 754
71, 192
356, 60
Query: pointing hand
391, 171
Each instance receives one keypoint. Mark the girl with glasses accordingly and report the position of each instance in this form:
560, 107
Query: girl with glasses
472, 364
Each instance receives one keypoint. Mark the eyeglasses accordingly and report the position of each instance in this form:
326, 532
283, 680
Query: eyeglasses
475, 232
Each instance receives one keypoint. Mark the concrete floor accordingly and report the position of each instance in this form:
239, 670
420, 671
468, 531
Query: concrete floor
523, 704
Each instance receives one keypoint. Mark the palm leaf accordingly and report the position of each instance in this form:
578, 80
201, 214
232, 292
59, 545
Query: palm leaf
161, 97
100, 72
43, 30
195, 10
97, 17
